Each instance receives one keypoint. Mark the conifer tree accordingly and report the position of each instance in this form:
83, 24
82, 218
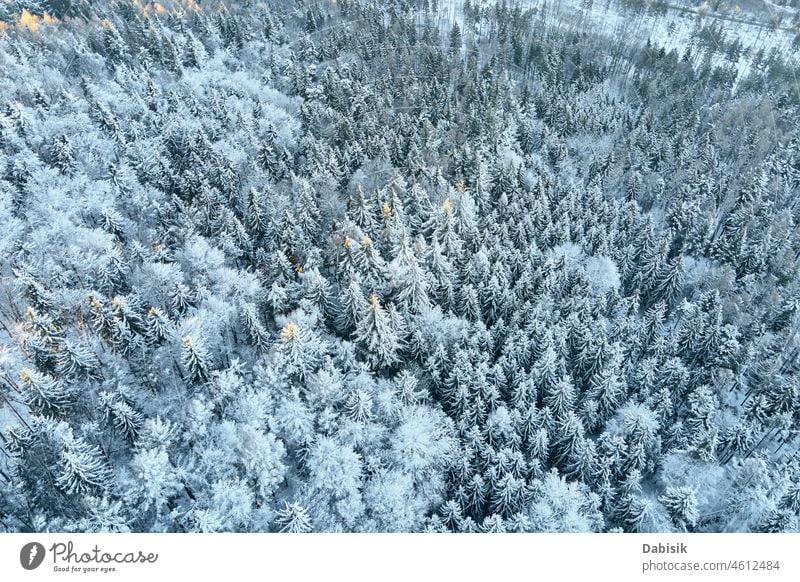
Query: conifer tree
376, 334
196, 359
681, 504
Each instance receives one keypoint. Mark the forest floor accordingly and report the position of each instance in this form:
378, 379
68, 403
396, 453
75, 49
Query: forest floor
675, 29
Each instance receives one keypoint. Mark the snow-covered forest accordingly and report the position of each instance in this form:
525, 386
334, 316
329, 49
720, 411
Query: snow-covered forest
399, 265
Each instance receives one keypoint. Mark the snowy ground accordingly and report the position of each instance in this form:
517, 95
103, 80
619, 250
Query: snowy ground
674, 29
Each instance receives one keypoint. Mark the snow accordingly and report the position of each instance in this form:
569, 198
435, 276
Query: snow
673, 30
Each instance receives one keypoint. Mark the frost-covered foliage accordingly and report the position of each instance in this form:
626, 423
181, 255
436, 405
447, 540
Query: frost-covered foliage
355, 266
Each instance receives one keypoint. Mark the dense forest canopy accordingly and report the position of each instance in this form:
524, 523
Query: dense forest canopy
399, 265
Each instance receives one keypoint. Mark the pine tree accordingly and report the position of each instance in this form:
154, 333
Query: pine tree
196, 359
560, 397
293, 518
76, 360
319, 292
669, 281
256, 332
114, 46
159, 328
82, 468
45, 394
414, 293
353, 306
301, 348
61, 155
375, 333
681, 504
